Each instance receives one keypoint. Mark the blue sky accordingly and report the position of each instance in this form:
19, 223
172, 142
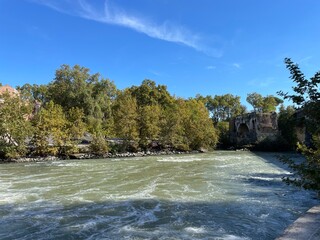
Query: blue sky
211, 47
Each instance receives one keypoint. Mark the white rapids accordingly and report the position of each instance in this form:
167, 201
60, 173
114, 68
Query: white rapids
219, 195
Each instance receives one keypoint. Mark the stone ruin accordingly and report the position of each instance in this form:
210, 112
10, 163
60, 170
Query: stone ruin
253, 127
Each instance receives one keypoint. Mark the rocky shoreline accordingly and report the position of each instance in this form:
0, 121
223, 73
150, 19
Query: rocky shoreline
88, 156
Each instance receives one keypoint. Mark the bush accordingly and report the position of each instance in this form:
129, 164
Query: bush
224, 134
99, 145
308, 170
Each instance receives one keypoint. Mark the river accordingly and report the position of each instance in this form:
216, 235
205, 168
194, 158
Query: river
218, 195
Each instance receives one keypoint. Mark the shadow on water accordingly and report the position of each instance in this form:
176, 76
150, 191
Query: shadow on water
147, 219
262, 211
141, 219
273, 158
271, 182
265, 180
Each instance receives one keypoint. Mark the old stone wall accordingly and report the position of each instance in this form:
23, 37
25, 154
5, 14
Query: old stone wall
253, 128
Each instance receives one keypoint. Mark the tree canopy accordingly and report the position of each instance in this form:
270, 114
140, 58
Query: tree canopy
263, 104
76, 87
306, 97
306, 94
223, 107
14, 127
77, 102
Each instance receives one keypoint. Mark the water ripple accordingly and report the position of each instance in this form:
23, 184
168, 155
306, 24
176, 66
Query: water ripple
220, 195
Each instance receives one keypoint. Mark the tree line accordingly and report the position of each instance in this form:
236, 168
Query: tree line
52, 119
76, 103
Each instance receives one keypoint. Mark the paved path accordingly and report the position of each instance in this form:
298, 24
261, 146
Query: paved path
307, 227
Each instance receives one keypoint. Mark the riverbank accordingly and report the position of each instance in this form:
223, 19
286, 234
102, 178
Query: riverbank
88, 156
305, 227
84, 156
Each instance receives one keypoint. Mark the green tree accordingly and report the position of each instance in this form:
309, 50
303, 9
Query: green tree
50, 131
224, 134
149, 124
72, 87
256, 101
199, 131
287, 123
152, 100
309, 170
270, 103
104, 94
76, 87
125, 114
32, 93
76, 126
223, 107
171, 127
149, 93
14, 126
263, 104
306, 96
99, 145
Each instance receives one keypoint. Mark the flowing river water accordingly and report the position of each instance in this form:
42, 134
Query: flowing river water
219, 195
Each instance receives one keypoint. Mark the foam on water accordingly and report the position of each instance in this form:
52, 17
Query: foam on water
180, 160
233, 237
221, 195
195, 230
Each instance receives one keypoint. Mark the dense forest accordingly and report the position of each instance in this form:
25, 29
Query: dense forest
77, 107
54, 118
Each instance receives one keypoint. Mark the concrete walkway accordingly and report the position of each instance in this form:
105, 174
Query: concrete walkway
307, 227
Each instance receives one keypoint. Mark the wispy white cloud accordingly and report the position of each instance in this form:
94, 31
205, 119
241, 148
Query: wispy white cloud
156, 73
236, 65
211, 67
305, 59
109, 14
306, 62
262, 83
